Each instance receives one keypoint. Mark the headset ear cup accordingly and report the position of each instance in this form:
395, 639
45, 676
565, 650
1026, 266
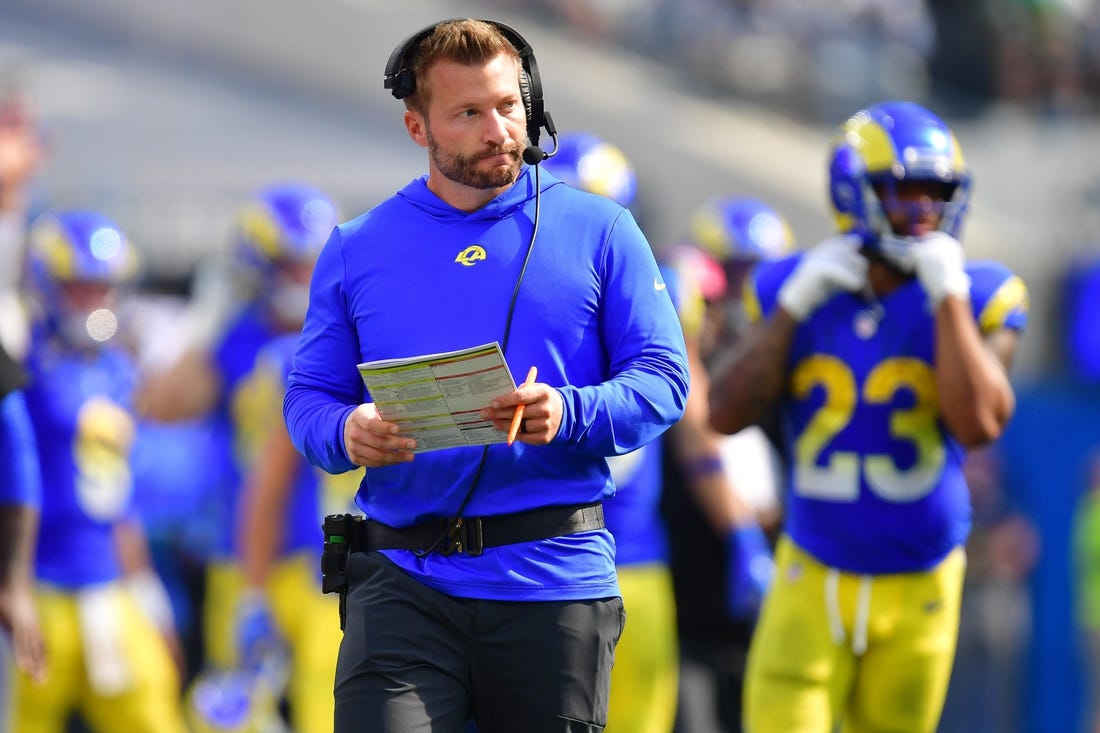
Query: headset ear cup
403, 84
525, 95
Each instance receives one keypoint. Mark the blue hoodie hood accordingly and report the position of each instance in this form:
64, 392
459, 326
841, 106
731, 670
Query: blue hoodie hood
515, 197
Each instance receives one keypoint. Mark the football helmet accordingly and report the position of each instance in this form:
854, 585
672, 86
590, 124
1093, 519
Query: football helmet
282, 228
587, 162
77, 261
698, 266
740, 228
878, 147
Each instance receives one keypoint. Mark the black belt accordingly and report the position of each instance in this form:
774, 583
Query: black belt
447, 535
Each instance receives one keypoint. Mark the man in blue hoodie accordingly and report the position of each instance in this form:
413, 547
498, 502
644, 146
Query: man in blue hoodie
481, 583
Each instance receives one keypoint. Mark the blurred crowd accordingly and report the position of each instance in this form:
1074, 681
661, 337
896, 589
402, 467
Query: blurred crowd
815, 59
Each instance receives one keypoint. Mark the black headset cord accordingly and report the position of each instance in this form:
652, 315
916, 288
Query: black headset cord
504, 349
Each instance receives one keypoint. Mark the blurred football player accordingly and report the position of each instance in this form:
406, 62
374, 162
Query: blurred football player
720, 492
102, 610
736, 232
887, 353
282, 616
280, 231
21, 643
181, 470
644, 677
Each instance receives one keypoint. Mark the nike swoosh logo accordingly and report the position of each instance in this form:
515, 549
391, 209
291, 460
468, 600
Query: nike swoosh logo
658, 285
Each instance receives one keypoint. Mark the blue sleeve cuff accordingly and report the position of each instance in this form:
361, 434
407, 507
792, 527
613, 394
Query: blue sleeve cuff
339, 440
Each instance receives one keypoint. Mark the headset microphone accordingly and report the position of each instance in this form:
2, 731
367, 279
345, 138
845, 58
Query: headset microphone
533, 154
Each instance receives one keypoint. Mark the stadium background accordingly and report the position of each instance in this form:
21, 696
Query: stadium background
165, 114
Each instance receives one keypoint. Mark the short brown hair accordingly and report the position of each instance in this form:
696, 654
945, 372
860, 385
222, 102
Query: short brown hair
467, 41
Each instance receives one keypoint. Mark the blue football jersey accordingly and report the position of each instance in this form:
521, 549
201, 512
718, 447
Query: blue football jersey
80, 408
261, 400
245, 408
876, 482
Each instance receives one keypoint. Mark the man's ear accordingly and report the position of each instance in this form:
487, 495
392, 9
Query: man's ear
416, 127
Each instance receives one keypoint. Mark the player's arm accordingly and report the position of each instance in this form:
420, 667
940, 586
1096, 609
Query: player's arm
696, 446
187, 389
750, 381
18, 616
20, 505
264, 504
22, 151
267, 491
976, 396
22, 157
145, 585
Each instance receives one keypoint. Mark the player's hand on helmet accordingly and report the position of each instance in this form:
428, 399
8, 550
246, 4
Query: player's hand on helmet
939, 263
832, 266
257, 637
749, 572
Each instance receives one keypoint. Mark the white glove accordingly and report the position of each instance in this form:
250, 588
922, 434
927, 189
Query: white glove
939, 261
833, 265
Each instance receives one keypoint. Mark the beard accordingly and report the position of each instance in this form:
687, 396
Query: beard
464, 168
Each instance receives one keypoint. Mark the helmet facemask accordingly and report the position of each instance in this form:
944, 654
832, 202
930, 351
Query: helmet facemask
939, 206
86, 316
288, 291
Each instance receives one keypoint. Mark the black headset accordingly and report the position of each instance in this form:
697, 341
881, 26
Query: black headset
401, 83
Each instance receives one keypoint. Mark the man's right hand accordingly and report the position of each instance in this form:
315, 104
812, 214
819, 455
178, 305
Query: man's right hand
835, 264
372, 442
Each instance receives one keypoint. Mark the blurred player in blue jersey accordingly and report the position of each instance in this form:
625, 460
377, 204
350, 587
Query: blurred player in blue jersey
643, 680
736, 232
283, 619
181, 470
280, 230
107, 658
719, 490
887, 353
20, 502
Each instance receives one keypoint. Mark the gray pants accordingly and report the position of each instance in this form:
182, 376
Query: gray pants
414, 660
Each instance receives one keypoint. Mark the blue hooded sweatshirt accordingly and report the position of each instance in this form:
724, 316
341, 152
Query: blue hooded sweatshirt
417, 276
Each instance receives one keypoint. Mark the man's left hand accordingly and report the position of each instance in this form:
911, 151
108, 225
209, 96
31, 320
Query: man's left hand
541, 413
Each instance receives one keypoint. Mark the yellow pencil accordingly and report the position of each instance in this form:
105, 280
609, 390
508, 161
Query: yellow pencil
517, 416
